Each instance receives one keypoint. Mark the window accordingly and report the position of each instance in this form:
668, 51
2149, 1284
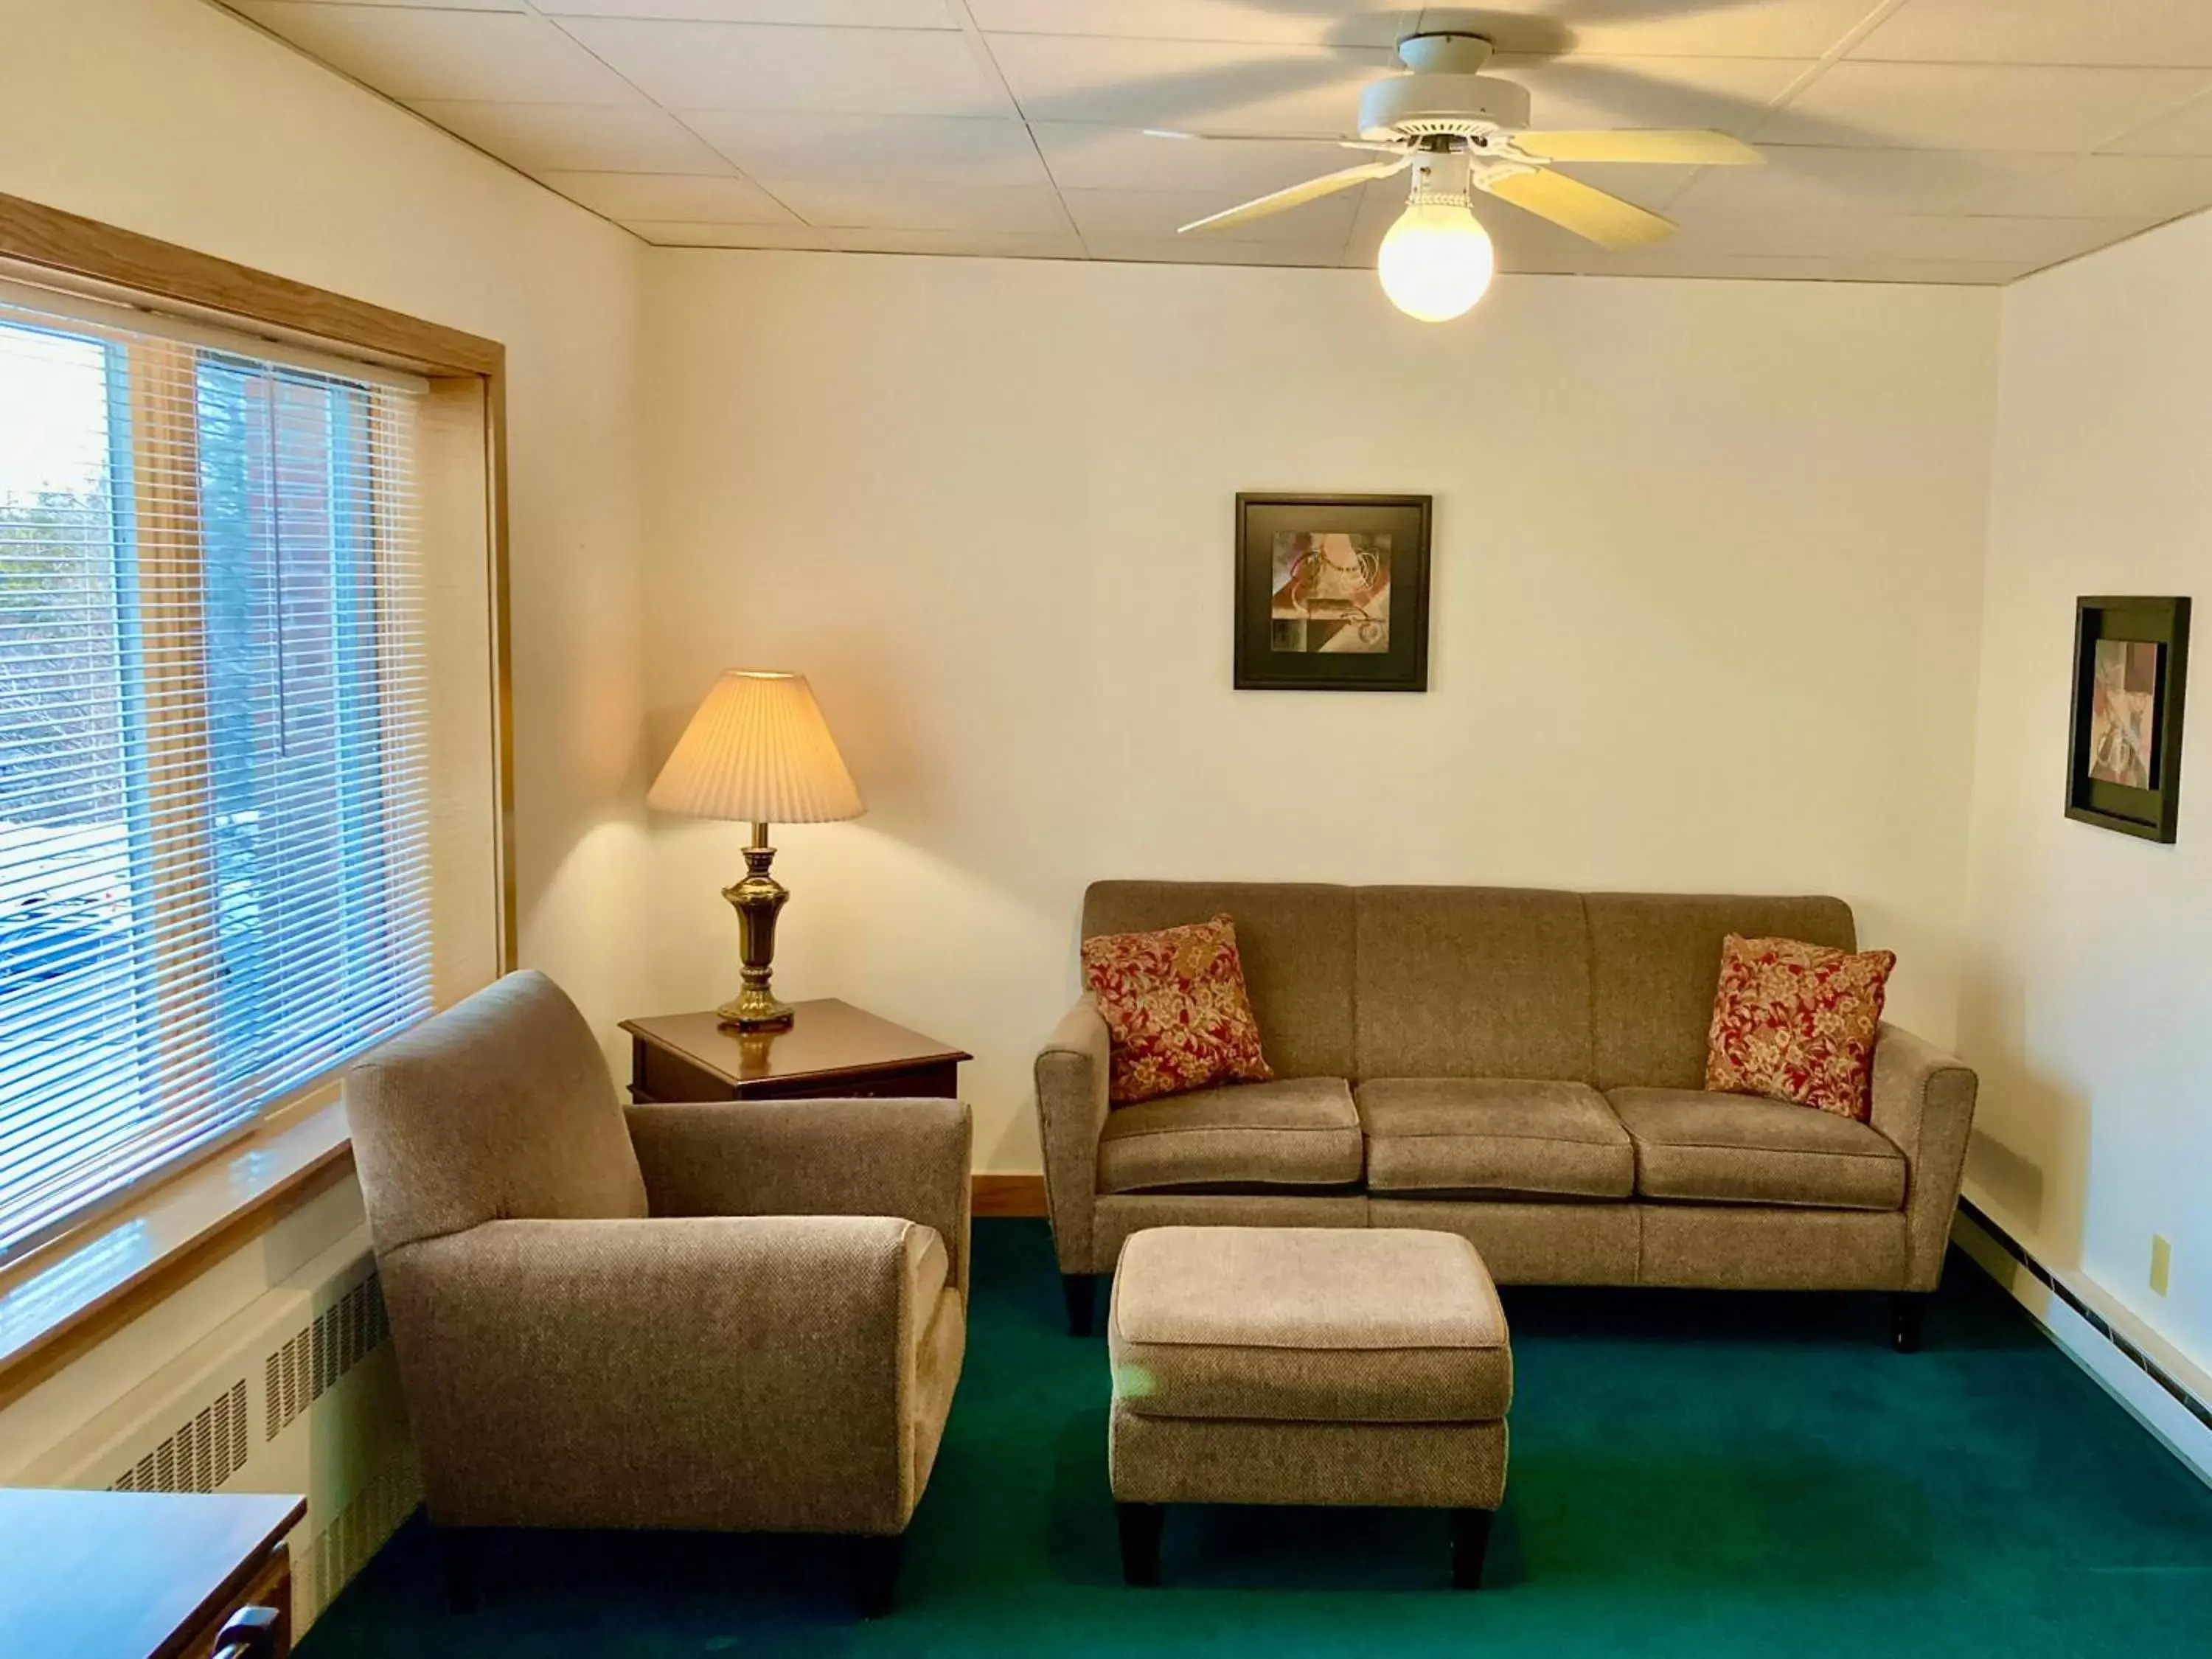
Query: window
216, 825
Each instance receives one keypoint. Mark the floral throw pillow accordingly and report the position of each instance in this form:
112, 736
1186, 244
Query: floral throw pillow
1176, 1009
1796, 1022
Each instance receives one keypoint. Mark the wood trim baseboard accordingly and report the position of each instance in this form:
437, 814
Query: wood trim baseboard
92, 252
1007, 1194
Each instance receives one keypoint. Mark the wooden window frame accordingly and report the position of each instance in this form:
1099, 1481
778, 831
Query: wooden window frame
207, 1209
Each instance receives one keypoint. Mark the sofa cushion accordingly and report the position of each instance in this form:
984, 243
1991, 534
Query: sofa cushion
1796, 1022
1483, 1135
1472, 982
1177, 1018
1296, 1131
1655, 959
1308, 1325
1296, 941
1740, 1149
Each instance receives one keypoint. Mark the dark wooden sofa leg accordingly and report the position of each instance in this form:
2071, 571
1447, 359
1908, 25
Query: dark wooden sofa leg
460, 1558
1082, 1292
1140, 1524
876, 1558
1470, 1542
1908, 1317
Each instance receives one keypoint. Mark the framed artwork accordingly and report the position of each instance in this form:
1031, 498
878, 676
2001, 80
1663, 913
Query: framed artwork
2123, 754
1332, 593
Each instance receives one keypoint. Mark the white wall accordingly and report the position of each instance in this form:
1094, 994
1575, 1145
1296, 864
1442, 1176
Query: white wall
2087, 1000
174, 118
1708, 577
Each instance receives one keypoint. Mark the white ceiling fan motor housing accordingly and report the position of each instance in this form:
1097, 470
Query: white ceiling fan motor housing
1444, 95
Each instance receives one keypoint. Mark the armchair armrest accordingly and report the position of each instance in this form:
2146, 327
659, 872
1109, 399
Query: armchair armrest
1923, 1101
887, 1158
710, 1372
1072, 1106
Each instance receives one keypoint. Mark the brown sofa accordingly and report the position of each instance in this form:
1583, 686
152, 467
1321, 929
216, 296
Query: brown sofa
1519, 1067
739, 1315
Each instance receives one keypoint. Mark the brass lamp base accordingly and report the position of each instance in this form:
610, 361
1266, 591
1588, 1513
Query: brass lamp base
756, 899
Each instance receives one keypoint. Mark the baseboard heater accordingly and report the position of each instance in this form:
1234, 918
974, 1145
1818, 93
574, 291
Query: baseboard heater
2183, 1396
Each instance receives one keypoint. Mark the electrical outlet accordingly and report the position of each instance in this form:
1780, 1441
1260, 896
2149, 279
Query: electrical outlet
2161, 1262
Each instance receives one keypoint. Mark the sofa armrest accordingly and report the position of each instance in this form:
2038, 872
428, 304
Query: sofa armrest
711, 1372
1072, 1072
1923, 1101
888, 1158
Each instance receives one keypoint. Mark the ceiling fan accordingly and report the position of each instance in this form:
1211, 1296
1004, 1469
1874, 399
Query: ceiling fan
1459, 131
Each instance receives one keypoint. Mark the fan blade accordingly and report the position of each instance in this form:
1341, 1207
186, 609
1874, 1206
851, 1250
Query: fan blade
1312, 190
1606, 219
1269, 139
1702, 149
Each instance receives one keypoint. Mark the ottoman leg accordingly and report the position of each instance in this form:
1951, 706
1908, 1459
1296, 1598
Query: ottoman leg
1908, 1317
1139, 1525
1470, 1542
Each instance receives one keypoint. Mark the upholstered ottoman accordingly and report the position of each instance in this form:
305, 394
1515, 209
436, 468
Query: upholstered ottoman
1306, 1365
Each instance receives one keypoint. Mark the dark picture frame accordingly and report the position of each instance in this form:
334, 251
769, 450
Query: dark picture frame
2123, 747
1332, 593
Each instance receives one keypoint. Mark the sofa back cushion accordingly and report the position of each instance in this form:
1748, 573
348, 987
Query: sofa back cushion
1473, 981
1655, 966
1296, 942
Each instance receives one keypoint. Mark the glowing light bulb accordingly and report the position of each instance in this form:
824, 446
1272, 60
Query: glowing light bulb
1436, 260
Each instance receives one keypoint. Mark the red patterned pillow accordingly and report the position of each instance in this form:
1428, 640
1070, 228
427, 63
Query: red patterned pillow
1176, 1009
1796, 1022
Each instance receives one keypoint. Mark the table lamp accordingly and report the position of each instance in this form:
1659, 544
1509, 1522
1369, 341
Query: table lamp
757, 751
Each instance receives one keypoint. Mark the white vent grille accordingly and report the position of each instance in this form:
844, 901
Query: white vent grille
206, 1451
323, 1350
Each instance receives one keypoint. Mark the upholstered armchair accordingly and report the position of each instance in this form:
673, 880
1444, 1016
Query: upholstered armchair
736, 1315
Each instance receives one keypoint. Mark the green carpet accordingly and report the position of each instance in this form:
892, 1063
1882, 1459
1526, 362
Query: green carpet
1691, 1473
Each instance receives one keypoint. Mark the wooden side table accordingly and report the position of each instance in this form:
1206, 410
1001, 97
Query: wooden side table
831, 1050
130, 1575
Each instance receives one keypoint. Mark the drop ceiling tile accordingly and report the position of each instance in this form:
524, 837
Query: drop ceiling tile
684, 233
1700, 28
430, 5
1979, 106
1175, 250
973, 244
1731, 94
1154, 214
882, 205
771, 66
2120, 186
944, 148
1282, 22
827, 13
1085, 155
2183, 131
1805, 179
676, 196
1220, 86
1985, 237
411, 54
576, 137
2169, 33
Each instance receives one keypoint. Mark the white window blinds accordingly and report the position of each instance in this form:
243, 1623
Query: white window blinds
213, 808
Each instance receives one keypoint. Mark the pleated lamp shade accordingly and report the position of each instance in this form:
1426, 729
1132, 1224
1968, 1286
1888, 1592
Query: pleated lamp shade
759, 752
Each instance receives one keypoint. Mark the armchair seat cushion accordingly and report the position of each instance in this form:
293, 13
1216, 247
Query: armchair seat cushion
1480, 1135
1296, 1131
1740, 1149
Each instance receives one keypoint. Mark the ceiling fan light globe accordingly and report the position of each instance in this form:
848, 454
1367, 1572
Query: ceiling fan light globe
1436, 261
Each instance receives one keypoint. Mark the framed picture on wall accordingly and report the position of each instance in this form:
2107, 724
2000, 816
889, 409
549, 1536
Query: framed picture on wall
2123, 754
1332, 593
